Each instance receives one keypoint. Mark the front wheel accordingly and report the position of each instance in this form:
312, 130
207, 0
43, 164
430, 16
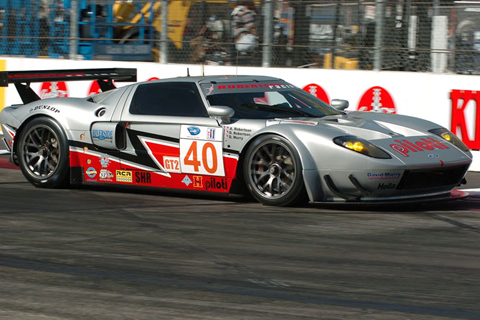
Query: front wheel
273, 172
43, 153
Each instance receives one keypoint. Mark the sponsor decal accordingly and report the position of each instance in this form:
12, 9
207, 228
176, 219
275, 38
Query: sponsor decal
216, 184
102, 134
377, 99
404, 147
124, 176
153, 79
53, 90
211, 133
197, 182
194, 131
460, 102
105, 175
171, 164
386, 186
383, 175
104, 161
236, 133
91, 172
89, 161
200, 133
186, 180
45, 107
433, 155
143, 177
317, 91
255, 86
82, 136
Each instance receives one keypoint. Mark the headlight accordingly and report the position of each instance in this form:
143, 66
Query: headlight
361, 146
450, 137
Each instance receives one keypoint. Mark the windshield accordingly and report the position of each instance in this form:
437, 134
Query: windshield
267, 102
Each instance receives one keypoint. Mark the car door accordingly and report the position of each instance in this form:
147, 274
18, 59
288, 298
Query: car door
170, 139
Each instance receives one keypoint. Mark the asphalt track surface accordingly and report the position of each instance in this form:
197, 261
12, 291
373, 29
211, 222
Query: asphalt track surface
113, 254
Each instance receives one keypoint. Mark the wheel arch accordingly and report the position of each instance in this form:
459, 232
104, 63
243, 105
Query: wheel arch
306, 158
22, 126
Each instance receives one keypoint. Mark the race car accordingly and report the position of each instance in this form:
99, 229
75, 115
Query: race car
226, 134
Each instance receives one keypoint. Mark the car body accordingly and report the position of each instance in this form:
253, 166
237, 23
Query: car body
225, 134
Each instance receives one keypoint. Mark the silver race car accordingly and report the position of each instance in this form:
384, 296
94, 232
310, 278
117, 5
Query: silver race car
225, 134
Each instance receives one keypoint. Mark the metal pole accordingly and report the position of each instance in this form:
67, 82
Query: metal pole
164, 34
379, 12
73, 29
267, 34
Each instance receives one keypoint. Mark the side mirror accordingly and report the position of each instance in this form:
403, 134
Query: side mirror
339, 104
222, 112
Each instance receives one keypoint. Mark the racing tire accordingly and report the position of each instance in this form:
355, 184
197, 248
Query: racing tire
273, 172
43, 154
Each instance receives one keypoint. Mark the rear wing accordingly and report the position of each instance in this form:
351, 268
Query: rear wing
104, 77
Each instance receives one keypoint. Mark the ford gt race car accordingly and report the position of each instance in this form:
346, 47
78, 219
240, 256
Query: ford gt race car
225, 134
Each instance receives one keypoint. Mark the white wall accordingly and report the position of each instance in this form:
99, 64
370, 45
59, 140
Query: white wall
424, 95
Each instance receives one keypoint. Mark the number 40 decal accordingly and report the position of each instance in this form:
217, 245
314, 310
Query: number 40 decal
201, 157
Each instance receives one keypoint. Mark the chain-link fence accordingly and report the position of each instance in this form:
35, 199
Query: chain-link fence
410, 35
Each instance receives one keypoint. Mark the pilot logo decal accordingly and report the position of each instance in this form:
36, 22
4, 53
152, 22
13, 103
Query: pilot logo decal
404, 146
186, 180
197, 182
102, 134
91, 172
317, 91
377, 99
216, 184
124, 176
53, 90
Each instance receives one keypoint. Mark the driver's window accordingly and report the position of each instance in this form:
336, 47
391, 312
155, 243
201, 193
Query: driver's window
168, 99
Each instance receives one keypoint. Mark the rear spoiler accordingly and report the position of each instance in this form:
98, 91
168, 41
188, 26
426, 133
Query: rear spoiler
104, 77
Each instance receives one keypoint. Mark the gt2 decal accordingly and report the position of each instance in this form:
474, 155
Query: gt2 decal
171, 164
404, 146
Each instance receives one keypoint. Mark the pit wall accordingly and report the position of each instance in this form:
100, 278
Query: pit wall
450, 100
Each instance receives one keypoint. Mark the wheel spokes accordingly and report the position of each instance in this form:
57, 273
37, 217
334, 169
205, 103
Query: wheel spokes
272, 169
41, 152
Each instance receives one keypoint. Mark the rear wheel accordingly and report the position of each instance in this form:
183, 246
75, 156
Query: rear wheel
43, 153
273, 172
